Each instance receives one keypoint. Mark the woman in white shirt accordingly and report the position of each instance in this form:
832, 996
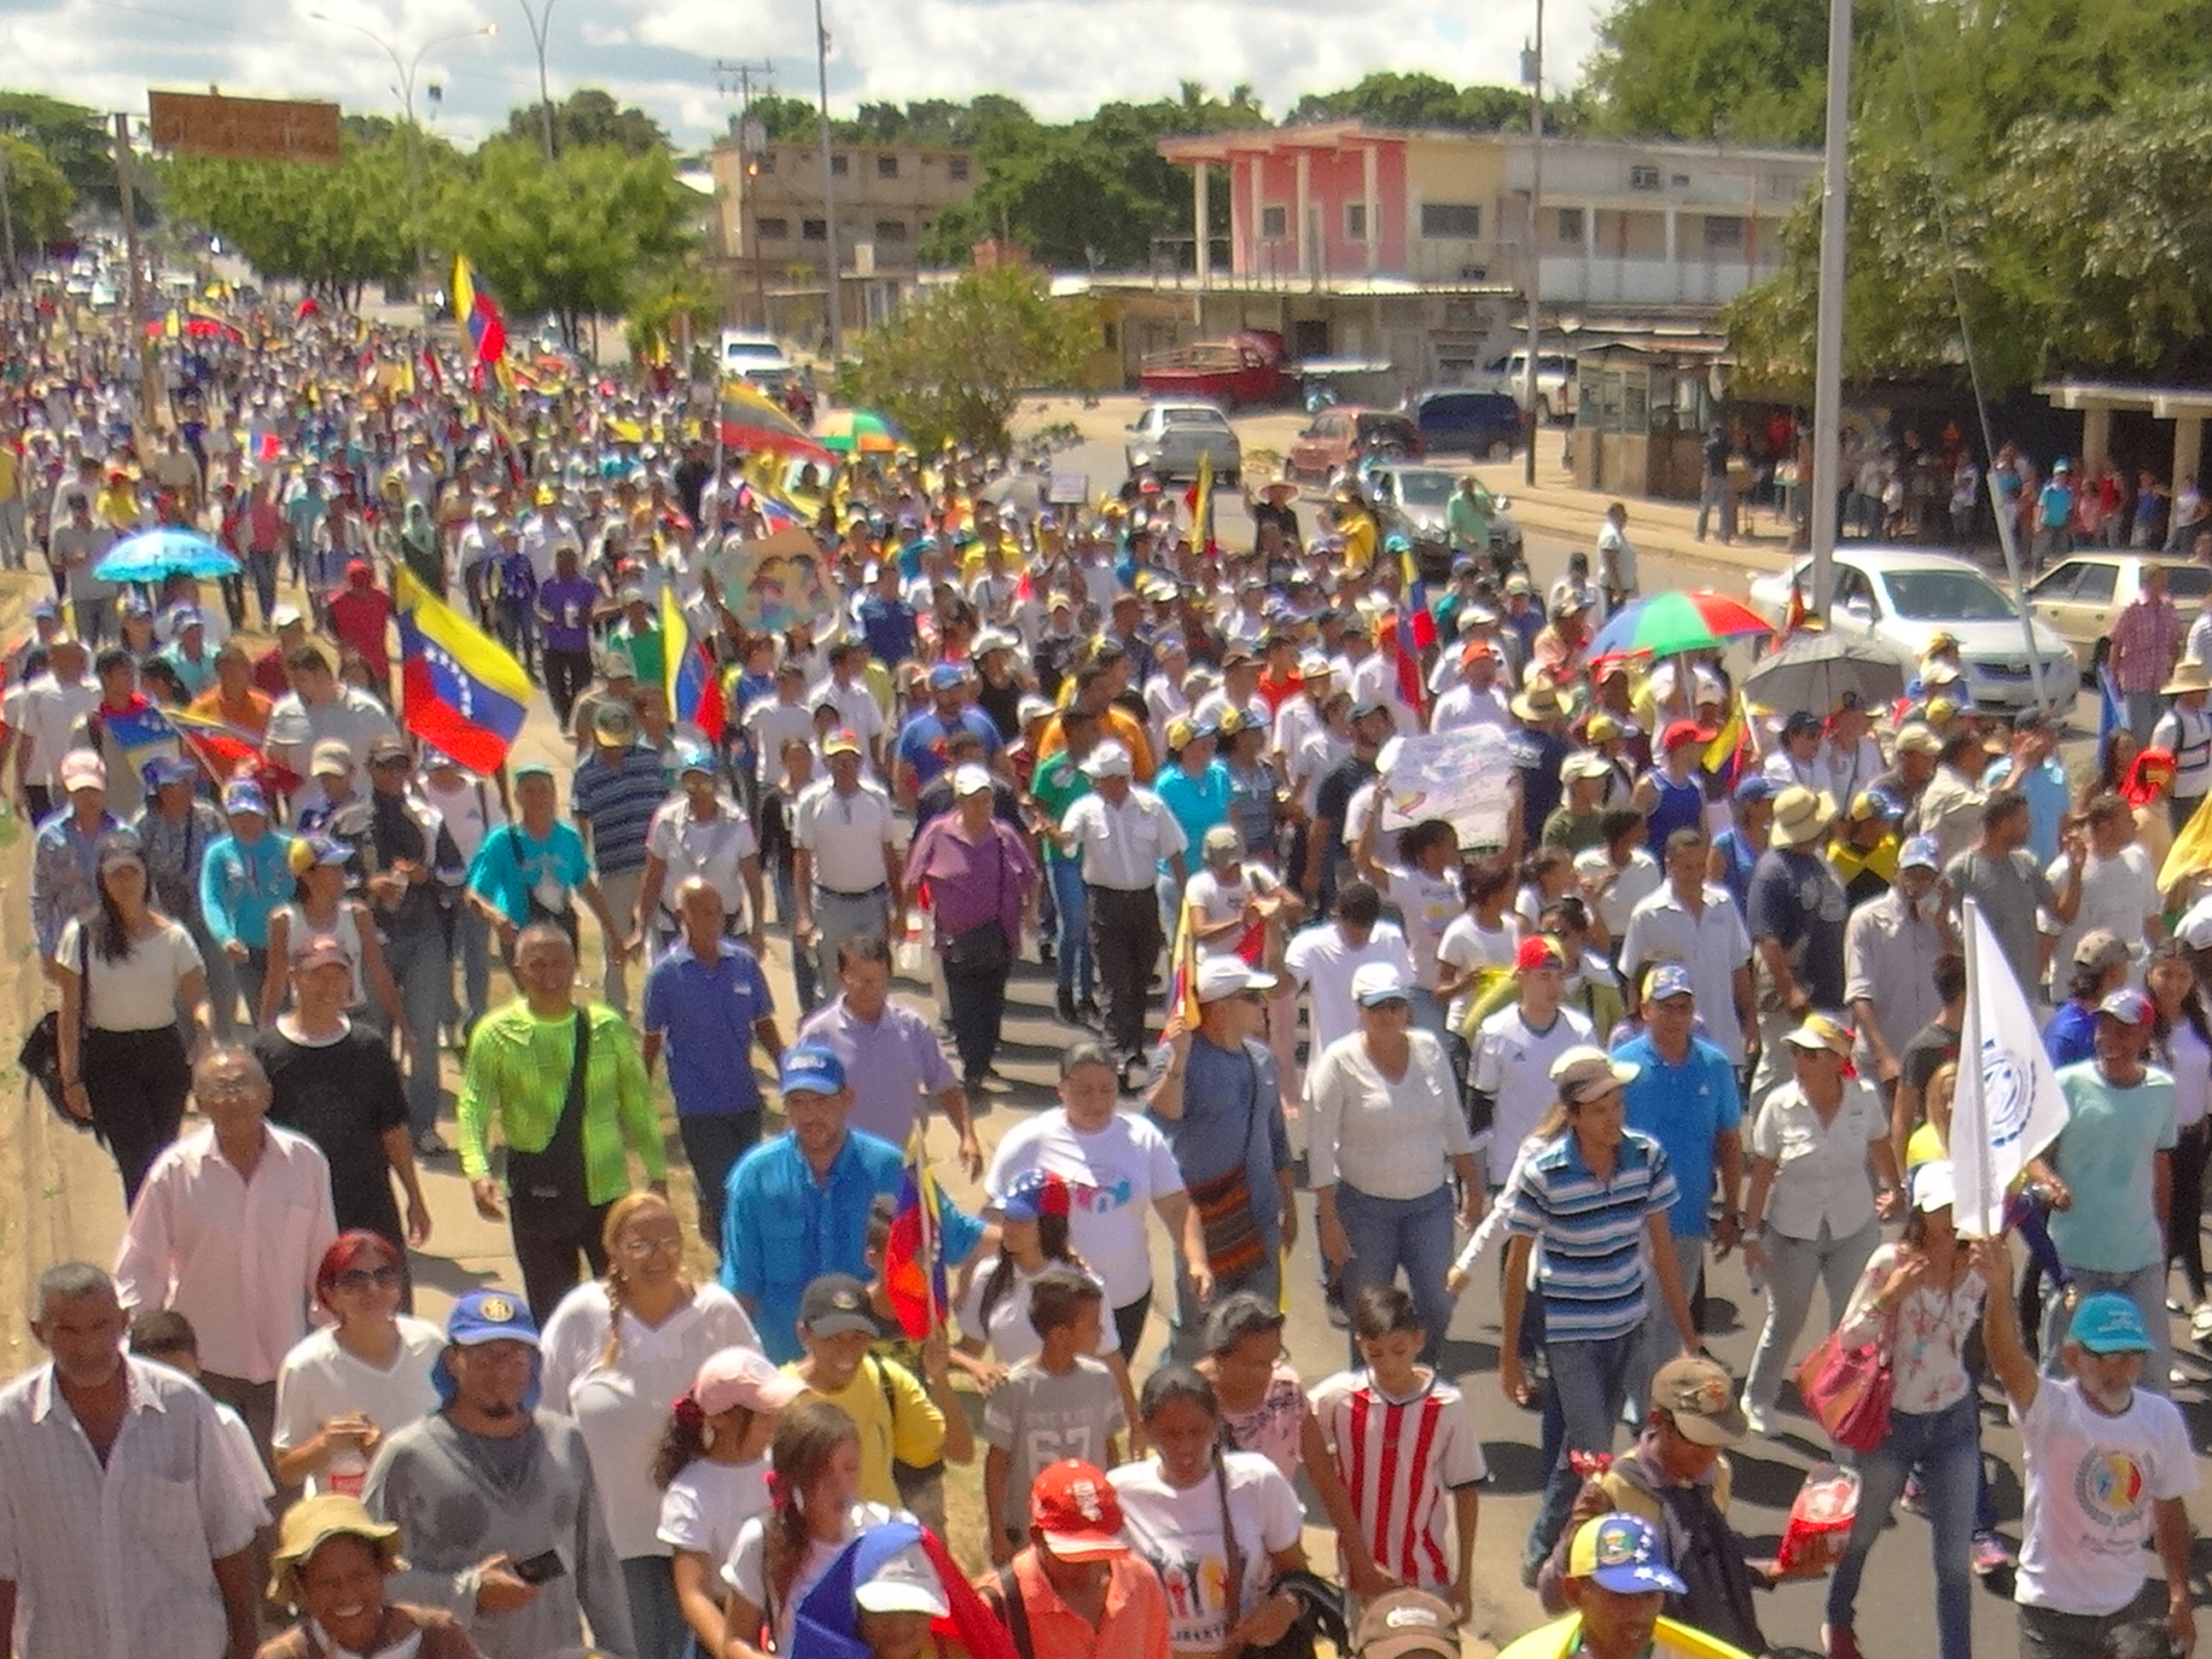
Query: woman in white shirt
1921, 1297
123, 968
1811, 1212
713, 1470
1385, 1124
1175, 1504
618, 1350
346, 1389
2182, 1047
1424, 883
814, 1512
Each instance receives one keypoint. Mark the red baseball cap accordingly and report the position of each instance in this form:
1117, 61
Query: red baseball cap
1072, 1505
1680, 732
1538, 951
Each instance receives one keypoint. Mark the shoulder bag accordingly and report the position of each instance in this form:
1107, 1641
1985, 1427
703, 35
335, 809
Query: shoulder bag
1850, 1390
1234, 1244
984, 948
40, 1056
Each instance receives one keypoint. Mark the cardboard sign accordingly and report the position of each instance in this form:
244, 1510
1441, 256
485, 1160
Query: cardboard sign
1464, 777
1069, 488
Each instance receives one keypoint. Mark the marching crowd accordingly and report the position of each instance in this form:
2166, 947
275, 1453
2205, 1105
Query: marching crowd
1699, 999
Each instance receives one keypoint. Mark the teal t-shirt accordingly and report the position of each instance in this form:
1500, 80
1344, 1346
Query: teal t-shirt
1198, 803
2104, 1155
511, 865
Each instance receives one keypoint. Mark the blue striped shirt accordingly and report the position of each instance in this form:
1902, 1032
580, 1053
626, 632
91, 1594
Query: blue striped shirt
1588, 1233
619, 802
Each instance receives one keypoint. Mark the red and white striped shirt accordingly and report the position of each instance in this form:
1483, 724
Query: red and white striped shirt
1398, 1459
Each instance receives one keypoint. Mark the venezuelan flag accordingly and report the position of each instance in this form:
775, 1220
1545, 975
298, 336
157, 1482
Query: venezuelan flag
459, 689
1728, 752
694, 689
138, 734
477, 313
913, 1254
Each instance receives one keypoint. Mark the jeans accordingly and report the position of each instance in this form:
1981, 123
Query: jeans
262, 568
1792, 1266
134, 1084
424, 974
96, 621
1387, 1234
1716, 497
2145, 1286
656, 1617
1186, 1330
472, 944
975, 1007
1945, 1447
14, 543
548, 1236
712, 1143
1589, 1381
567, 674
1660, 1337
1073, 899
2143, 709
839, 917
804, 979
2184, 1224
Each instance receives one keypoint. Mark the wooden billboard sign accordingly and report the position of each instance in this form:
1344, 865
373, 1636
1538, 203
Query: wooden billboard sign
244, 129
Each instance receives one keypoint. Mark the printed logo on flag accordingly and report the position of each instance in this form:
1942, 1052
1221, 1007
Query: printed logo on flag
2006, 1091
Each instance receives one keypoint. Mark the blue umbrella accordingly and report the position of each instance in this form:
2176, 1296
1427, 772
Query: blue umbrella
153, 553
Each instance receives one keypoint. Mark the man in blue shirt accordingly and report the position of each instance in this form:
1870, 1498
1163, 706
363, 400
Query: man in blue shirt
887, 621
921, 753
1684, 1098
798, 1205
705, 1002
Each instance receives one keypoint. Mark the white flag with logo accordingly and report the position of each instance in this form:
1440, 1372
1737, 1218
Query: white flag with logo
2009, 1106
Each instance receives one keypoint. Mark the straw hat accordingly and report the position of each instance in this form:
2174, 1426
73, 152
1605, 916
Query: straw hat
2187, 676
1541, 701
1800, 815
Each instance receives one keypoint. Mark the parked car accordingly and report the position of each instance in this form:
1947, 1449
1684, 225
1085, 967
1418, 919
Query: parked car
2079, 597
1247, 367
1412, 497
1341, 438
1555, 382
1488, 425
1902, 595
1168, 439
752, 354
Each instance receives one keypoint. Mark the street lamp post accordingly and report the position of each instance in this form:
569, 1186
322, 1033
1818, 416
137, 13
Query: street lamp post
406, 70
541, 23
1534, 264
829, 196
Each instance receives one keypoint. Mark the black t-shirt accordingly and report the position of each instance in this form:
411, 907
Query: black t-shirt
343, 1095
1284, 518
1537, 756
1332, 799
1933, 1046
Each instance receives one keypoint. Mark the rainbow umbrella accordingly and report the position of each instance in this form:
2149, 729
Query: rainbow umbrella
857, 432
749, 420
1667, 624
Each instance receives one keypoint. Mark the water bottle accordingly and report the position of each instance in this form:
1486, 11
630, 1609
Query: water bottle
347, 1472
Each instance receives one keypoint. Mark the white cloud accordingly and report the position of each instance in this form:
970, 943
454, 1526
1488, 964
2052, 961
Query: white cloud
1059, 57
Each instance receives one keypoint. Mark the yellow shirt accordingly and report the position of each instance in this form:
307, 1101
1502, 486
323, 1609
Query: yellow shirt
898, 1422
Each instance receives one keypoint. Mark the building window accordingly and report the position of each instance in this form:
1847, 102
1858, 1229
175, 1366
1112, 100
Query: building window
1643, 178
1571, 223
1274, 224
814, 230
840, 165
1681, 181
891, 230
1355, 222
887, 167
778, 230
1442, 219
1723, 230
956, 168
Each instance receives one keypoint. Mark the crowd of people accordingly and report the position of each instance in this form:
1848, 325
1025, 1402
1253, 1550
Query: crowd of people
1689, 1003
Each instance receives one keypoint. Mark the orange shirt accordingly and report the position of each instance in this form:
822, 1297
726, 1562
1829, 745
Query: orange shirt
1118, 724
1136, 1625
249, 714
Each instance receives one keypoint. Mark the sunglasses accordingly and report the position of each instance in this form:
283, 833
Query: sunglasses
363, 1278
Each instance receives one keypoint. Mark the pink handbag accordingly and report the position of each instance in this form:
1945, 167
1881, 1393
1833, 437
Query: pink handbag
1849, 1390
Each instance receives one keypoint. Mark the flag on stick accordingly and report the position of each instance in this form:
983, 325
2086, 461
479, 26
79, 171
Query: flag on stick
478, 314
693, 688
2009, 1106
460, 690
914, 1254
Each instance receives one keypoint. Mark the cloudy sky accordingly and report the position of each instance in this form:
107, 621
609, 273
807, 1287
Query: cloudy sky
1061, 56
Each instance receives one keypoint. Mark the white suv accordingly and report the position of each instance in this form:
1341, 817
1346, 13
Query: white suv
1555, 381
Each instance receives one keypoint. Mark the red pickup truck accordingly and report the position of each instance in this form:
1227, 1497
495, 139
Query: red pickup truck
1247, 367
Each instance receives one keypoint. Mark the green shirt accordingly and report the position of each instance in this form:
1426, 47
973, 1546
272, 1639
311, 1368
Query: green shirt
518, 1075
1058, 782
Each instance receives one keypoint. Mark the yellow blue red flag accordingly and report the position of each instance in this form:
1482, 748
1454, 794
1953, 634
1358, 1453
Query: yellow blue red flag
460, 690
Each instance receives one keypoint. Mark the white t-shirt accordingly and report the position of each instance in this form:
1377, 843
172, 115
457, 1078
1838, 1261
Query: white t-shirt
1466, 944
1114, 1177
2091, 1482
1179, 1534
1322, 962
708, 1504
1637, 881
137, 993
743, 1572
2118, 894
1213, 900
1011, 1337
1430, 904
319, 1381
622, 1412
471, 812
1512, 1064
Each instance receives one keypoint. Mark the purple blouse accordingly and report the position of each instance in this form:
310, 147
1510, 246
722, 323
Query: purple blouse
970, 882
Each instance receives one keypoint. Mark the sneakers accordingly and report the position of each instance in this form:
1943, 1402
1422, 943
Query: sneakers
1837, 1642
1911, 1500
1991, 1554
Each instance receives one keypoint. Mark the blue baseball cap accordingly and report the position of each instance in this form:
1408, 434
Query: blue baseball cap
245, 797
1921, 853
1622, 1553
2108, 1322
946, 676
489, 1315
1756, 787
165, 769
811, 1069
1669, 980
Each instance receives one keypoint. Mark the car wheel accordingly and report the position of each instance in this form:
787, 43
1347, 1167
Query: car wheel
1500, 450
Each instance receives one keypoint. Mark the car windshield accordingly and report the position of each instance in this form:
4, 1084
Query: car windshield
2188, 581
1428, 487
1386, 426
1936, 594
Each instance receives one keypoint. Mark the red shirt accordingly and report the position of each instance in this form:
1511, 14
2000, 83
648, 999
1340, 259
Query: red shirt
361, 617
1276, 693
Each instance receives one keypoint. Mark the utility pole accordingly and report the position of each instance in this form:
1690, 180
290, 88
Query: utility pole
751, 140
1828, 327
829, 196
540, 22
149, 379
1532, 72
6, 217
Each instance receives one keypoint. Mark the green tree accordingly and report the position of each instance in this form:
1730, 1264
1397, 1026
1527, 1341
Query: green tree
955, 361
586, 118
571, 238
76, 139
1386, 98
40, 197
665, 296
1755, 70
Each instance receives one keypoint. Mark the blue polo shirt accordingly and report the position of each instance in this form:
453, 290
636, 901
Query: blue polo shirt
782, 1229
1683, 1107
1589, 1233
707, 1011
889, 629
1198, 803
921, 740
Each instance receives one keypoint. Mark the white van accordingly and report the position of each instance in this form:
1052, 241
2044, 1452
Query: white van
1555, 381
746, 352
